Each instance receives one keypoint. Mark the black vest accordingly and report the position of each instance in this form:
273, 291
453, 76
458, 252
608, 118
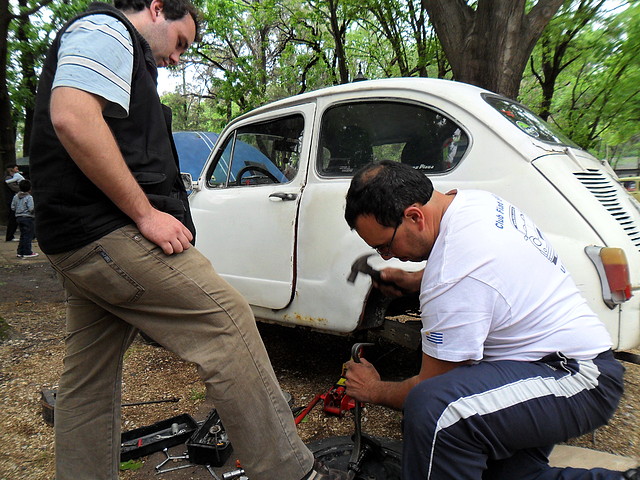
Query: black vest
70, 210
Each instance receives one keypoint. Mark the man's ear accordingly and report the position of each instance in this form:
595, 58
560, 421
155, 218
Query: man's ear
156, 8
414, 214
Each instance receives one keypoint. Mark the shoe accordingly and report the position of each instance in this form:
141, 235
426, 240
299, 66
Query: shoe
14, 240
321, 472
632, 474
34, 254
20, 256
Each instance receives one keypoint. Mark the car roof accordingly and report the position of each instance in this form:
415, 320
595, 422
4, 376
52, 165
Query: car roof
463, 96
455, 92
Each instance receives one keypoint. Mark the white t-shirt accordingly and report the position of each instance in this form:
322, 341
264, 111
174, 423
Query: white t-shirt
96, 55
17, 178
494, 289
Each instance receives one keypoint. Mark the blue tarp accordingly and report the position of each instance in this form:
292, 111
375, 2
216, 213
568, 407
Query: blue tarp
194, 148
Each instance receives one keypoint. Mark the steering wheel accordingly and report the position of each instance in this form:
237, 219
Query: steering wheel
261, 170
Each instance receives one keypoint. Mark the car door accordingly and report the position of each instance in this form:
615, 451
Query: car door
247, 204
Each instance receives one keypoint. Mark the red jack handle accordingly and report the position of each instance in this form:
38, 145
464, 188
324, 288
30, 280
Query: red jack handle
307, 409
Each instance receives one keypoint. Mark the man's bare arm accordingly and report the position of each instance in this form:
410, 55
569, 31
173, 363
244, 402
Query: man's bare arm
77, 118
408, 281
364, 383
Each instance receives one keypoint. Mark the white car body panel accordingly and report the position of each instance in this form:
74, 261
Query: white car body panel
291, 259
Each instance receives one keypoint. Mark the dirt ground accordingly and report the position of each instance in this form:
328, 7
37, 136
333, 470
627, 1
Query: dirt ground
31, 305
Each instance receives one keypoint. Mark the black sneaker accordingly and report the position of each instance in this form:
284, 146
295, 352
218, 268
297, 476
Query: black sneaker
632, 474
322, 472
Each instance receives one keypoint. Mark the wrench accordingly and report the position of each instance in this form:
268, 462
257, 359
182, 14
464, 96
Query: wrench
179, 467
169, 457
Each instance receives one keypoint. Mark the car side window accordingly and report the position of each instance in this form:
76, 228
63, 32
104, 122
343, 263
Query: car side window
354, 134
259, 154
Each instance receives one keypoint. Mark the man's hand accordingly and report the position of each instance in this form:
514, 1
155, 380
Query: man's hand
362, 379
409, 281
165, 231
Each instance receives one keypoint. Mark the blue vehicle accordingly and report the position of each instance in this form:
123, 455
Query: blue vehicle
255, 168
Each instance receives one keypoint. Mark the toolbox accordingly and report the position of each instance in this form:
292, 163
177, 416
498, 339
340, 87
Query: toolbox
210, 445
153, 438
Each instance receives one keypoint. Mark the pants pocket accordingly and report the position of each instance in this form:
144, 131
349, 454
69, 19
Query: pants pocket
95, 273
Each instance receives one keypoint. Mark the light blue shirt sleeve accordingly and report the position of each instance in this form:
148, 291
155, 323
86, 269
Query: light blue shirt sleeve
96, 55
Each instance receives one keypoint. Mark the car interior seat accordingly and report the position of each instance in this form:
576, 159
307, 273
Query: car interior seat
350, 149
422, 153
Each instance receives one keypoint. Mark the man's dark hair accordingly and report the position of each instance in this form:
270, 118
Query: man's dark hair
385, 190
24, 185
172, 9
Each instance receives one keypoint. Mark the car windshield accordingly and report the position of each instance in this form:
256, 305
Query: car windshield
261, 153
527, 121
354, 134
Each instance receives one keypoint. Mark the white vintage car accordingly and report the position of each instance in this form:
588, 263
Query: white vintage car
269, 202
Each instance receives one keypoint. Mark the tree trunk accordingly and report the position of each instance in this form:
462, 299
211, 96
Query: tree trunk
29, 78
7, 129
338, 29
489, 46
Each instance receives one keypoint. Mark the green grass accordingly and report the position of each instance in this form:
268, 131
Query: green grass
5, 329
197, 394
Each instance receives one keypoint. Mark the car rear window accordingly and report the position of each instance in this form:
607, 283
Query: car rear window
527, 121
357, 133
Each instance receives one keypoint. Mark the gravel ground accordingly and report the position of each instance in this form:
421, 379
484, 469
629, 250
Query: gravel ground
306, 364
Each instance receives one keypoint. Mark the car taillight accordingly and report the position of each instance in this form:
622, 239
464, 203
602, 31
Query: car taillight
613, 270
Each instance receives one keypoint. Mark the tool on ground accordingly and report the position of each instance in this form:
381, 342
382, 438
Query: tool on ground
210, 444
169, 458
361, 265
212, 472
149, 439
357, 454
335, 400
149, 402
233, 474
48, 402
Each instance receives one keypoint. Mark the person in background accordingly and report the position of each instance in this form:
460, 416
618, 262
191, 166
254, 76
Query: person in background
12, 179
23, 209
513, 359
113, 219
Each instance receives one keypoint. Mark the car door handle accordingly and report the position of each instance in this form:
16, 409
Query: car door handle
284, 196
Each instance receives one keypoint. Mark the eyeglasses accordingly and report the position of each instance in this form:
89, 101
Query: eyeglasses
385, 248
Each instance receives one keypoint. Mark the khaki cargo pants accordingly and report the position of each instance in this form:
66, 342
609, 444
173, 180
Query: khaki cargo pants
123, 283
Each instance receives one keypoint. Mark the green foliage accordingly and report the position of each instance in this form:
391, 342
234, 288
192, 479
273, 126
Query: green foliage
28, 41
596, 95
131, 465
196, 394
5, 329
256, 51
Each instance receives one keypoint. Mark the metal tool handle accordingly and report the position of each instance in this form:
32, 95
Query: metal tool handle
356, 352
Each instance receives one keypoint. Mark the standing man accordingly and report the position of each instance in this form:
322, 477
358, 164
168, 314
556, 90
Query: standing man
514, 361
113, 219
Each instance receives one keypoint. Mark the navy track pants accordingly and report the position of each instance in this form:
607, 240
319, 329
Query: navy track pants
500, 420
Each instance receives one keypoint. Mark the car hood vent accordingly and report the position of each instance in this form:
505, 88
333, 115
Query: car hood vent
613, 198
